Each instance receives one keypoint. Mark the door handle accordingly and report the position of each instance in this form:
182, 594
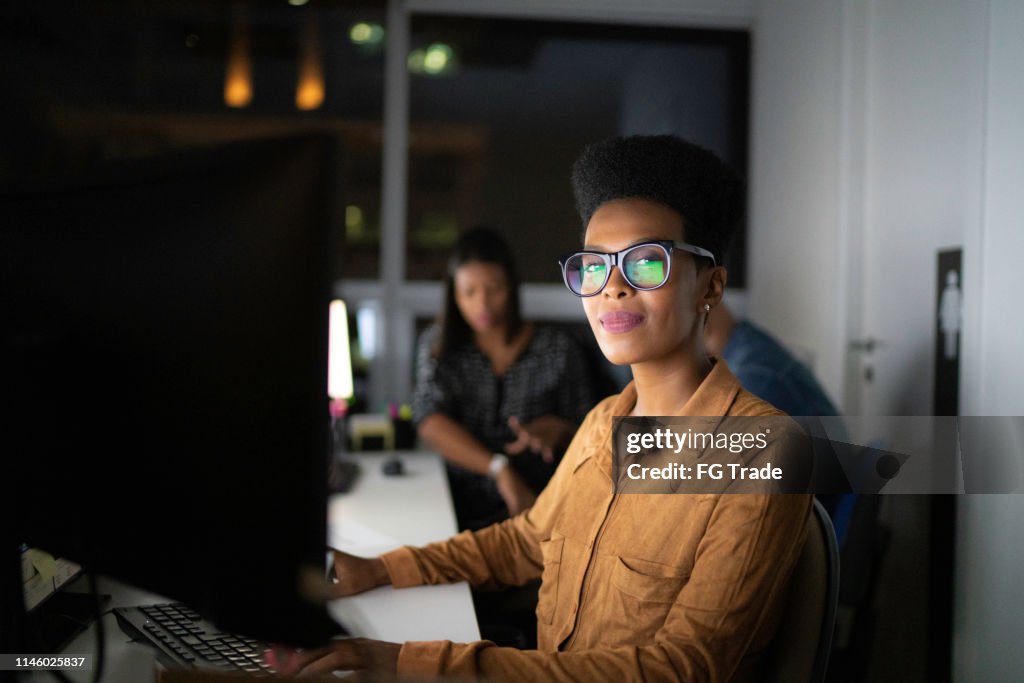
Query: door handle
865, 345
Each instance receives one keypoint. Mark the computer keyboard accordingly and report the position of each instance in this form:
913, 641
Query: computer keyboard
184, 639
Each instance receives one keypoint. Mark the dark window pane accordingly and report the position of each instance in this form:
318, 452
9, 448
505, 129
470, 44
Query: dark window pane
501, 108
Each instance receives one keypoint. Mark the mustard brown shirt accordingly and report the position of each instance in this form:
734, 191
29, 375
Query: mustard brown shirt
645, 587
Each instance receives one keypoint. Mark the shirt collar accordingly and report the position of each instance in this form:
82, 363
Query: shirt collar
713, 399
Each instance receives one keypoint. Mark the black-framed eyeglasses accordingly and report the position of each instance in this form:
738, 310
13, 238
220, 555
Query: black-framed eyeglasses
644, 266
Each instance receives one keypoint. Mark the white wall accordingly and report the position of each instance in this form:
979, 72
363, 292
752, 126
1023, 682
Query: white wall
990, 556
997, 373
794, 221
924, 123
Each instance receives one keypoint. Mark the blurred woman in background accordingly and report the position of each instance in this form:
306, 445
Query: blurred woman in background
498, 396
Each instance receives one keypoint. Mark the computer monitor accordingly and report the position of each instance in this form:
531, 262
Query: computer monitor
165, 330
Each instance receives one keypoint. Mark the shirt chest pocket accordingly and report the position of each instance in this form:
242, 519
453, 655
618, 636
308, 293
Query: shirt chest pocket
551, 551
642, 595
661, 585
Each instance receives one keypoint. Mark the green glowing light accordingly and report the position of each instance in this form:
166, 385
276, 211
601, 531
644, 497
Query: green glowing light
437, 58
365, 33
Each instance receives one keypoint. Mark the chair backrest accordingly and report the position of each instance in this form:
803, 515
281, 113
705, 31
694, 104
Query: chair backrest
801, 647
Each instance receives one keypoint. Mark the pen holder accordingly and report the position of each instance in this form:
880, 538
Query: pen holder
405, 434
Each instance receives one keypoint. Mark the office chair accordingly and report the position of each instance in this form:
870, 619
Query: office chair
799, 653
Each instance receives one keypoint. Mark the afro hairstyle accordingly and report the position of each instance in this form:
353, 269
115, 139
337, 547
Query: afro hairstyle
695, 183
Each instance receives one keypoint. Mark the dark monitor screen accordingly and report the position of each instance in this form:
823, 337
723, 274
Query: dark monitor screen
164, 355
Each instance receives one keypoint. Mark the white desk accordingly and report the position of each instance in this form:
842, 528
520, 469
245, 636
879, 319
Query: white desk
379, 514
382, 513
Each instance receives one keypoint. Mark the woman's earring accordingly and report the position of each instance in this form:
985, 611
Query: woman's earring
707, 308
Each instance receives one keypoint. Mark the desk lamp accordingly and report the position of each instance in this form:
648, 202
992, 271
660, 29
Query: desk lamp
339, 373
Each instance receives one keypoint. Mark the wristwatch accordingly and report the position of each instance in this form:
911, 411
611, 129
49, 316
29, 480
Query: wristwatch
499, 461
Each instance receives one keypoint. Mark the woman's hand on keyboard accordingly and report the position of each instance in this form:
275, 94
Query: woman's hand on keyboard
350, 654
357, 574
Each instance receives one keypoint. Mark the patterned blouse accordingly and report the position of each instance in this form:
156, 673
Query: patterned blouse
551, 376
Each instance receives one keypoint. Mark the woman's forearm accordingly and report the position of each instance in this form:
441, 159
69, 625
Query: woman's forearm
455, 443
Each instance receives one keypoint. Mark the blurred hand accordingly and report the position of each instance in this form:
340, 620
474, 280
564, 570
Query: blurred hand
357, 574
546, 435
349, 654
514, 491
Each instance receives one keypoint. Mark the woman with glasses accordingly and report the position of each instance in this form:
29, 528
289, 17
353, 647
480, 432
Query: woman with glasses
635, 587
498, 396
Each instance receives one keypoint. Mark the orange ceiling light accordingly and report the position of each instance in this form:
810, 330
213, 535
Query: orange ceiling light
238, 77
